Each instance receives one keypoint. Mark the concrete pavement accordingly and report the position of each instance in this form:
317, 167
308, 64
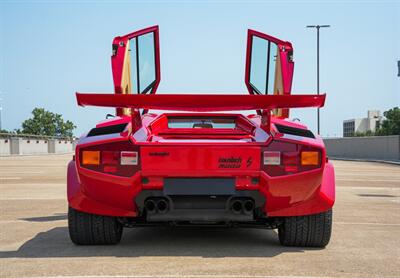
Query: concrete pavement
34, 238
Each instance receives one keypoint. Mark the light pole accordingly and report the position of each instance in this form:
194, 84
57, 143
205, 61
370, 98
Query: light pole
398, 68
1, 108
318, 27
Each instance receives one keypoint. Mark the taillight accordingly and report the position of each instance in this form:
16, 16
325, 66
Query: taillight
120, 158
283, 158
91, 157
272, 158
129, 158
309, 158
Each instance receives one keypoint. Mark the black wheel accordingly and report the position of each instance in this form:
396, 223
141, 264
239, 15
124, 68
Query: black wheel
91, 229
306, 231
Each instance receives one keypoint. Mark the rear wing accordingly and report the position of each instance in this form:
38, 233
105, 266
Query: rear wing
201, 103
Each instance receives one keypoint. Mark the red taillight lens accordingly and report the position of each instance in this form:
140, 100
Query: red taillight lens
283, 158
121, 158
110, 157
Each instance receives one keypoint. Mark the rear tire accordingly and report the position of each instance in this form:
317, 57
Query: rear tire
91, 229
306, 231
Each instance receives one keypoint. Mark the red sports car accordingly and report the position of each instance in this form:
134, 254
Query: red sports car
203, 164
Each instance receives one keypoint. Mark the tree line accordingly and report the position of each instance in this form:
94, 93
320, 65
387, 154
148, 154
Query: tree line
45, 123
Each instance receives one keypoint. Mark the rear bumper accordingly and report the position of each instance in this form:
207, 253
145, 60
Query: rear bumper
298, 194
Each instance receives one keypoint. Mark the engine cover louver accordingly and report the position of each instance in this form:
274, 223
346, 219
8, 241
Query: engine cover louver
107, 130
294, 131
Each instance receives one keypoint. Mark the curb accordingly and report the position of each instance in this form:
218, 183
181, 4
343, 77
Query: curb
393, 162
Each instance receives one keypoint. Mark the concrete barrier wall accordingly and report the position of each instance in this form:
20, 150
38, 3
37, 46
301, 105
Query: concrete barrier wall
27, 146
5, 146
33, 146
373, 147
63, 146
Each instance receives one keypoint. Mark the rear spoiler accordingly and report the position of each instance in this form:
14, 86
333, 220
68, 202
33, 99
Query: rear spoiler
200, 103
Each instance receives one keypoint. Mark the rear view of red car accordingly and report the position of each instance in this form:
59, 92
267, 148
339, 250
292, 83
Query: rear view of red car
203, 164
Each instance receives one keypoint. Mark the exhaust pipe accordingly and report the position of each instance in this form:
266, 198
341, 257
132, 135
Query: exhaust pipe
150, 206
237, 207
248, 206
162, 206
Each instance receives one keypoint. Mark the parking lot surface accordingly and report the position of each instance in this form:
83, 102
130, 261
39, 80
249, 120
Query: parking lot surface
34, 239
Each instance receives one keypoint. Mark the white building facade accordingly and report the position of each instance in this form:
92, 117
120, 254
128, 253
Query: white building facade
371, 123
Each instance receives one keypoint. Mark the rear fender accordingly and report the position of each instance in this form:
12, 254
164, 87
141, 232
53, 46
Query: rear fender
80, 201
321, 200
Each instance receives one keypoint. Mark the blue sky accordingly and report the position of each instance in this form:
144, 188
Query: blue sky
50, 50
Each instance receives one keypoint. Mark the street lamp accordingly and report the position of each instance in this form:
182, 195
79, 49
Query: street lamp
318, 27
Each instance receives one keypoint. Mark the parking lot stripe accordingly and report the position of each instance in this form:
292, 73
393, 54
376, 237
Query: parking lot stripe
178, 276
366, 223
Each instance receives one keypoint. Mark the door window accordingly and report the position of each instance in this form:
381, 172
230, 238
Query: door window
263, 65
143, 64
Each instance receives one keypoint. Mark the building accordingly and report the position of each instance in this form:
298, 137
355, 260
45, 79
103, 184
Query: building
371, 123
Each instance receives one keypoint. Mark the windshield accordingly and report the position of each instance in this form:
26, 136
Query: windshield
201, 122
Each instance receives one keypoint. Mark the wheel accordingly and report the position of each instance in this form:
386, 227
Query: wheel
306, 231
91, 229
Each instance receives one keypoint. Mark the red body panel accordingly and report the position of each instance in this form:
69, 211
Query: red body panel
189, 152
296, 194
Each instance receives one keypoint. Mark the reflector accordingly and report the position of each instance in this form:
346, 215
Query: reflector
272, 158
129, 158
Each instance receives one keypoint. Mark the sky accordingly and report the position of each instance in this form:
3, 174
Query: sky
51, 49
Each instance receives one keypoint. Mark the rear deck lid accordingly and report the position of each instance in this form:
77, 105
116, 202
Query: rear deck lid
199, 159
172, 126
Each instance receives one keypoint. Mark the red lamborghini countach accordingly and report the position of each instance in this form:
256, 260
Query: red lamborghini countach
202, 164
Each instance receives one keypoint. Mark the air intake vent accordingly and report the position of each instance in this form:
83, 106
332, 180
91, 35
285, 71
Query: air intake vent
294, 131
107, 130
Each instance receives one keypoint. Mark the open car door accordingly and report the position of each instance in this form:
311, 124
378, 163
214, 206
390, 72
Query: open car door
269, 67
135, 63
136, 71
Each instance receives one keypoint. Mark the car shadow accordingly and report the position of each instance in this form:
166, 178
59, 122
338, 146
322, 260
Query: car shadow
55, 217
160, 241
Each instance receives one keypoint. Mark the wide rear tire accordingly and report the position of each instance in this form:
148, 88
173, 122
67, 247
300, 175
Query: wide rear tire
306, 231
91, 229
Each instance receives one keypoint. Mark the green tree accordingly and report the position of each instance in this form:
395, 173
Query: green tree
364, 134
391, 125
47, 123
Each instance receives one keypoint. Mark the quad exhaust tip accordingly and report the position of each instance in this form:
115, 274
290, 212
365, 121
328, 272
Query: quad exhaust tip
150, 206
162, 206
248, 206
159, 205
242, 206
237, 207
